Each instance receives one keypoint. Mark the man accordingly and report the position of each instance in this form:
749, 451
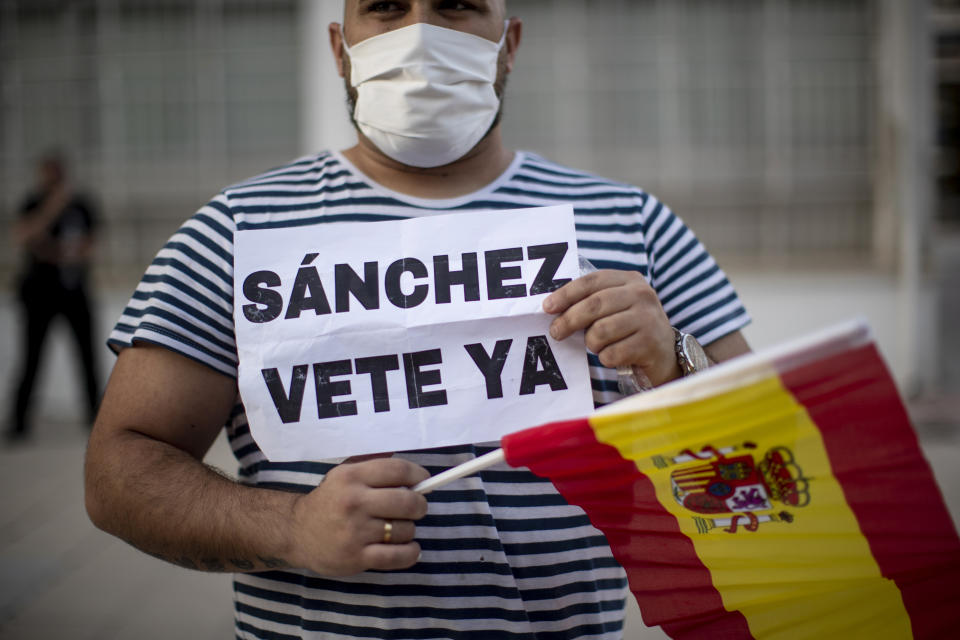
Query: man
348, 550
55, 229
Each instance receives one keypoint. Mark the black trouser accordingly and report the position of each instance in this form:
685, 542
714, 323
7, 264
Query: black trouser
44, 298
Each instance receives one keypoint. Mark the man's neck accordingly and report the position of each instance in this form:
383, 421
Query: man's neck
484, 164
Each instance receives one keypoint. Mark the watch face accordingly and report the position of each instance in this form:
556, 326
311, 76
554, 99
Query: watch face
694, 353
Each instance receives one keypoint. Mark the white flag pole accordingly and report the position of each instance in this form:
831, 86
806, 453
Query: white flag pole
461, 470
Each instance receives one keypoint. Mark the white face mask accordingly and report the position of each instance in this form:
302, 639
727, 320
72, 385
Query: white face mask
425, 94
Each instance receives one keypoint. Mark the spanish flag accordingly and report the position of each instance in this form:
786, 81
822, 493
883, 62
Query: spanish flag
783, 496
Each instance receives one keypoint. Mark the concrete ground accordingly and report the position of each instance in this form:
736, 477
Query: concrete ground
60, 577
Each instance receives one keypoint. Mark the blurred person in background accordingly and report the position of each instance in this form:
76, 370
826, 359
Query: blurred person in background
55, 230
342, 549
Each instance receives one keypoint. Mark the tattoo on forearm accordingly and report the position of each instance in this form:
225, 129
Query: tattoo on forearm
181, 561
220, 565
273, 563
241, 563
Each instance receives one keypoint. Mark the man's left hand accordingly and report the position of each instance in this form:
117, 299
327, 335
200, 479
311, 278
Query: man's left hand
623, 319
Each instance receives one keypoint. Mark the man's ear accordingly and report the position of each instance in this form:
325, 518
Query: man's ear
336, 45
512, 43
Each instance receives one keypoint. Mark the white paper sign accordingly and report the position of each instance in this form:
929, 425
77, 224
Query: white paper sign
360, 338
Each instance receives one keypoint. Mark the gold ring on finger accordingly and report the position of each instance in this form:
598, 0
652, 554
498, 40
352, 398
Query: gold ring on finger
387, 532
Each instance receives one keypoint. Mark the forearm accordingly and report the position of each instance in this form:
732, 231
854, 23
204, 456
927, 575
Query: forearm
29, 231
729, 346
35, 223
167, 503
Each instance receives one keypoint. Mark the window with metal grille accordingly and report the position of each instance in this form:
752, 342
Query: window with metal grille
753, 119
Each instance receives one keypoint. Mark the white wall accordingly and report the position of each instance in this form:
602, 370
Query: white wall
785, 305
323, 113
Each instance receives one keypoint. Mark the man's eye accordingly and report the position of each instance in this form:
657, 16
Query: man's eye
383, 7
452, 5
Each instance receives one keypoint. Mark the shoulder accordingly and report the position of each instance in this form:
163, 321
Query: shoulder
292, 194
296, 179
596, 199
584, 189
297, 174
536, 168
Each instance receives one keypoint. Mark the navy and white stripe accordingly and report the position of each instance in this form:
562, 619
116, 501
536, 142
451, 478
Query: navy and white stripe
503, 553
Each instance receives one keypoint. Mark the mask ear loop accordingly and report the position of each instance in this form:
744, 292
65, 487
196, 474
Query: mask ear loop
347, 52
343, 40
503, 38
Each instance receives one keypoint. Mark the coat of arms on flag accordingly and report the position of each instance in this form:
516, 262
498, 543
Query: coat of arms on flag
731, 488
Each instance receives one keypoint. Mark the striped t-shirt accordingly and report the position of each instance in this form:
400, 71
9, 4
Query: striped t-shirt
503, 554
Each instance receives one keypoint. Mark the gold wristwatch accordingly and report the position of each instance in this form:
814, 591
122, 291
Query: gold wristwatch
690, 355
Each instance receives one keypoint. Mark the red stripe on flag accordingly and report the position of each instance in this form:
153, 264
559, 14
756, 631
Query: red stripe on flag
671, 584
888, 485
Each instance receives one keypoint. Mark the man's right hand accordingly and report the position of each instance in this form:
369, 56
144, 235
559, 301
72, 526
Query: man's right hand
339, 527
145, 483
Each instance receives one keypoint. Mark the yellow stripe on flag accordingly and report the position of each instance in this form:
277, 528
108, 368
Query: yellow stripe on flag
794, 570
